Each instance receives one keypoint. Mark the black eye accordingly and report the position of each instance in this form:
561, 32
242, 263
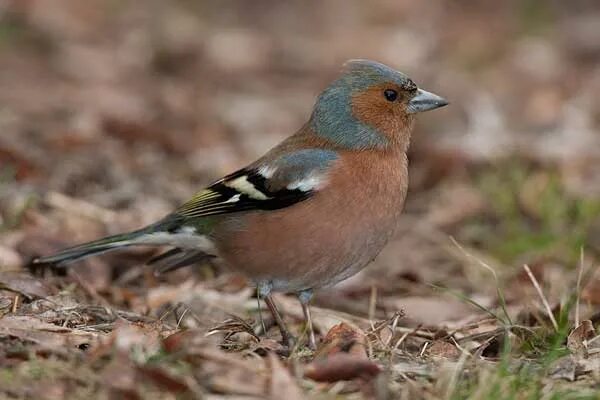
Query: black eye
390, 94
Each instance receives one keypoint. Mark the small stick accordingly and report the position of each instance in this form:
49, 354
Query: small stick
399, 342
579, 274
15, 304
423, 349
537, 287
593, 339
394, 326
181, 317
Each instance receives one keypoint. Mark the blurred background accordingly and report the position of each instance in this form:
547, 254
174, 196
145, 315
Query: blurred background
113, 112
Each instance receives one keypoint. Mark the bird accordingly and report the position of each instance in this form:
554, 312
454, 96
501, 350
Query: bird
311, 212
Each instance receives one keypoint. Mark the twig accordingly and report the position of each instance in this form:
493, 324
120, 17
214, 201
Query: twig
417, 332
537, 287
423, 349
15, 304
579, 275
463, 350
400, 341
181, 317
593, 339
397, 317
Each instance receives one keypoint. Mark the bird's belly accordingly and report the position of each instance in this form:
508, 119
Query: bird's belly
312, 244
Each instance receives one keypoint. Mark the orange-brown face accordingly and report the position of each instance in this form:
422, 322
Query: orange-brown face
370, 106
384, 107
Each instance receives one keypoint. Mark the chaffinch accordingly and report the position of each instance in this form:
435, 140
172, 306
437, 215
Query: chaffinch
314, 210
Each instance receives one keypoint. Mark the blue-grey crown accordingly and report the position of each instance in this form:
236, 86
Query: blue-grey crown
360, 74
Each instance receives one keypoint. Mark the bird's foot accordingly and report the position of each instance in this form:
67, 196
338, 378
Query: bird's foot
312, 342
288, 343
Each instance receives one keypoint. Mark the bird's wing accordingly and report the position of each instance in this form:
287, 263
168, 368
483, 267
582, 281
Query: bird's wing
266, 185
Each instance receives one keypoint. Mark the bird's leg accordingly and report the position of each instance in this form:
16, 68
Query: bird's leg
260, 317
286, 336
264, 289
304, 297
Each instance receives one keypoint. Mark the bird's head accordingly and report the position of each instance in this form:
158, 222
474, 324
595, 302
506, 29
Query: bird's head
370, 106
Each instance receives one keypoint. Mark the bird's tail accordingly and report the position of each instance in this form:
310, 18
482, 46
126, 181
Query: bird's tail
95, 247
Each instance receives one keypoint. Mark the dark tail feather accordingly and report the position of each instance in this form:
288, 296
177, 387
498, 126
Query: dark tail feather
177, 258
95, 247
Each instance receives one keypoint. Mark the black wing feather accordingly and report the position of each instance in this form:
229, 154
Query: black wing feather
222, 198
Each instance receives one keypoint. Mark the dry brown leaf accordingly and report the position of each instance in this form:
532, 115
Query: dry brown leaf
572, 367
343, 338
25, 284
564, 368
283, 385
588, 365
577, 340
45, 334
230, 379
226, 372
341, 367
163, 379
179, 340
442, 349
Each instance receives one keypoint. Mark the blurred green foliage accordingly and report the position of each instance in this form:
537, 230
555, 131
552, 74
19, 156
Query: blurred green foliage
536, 17
531, 216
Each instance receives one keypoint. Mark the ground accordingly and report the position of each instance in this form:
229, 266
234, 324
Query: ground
113, 112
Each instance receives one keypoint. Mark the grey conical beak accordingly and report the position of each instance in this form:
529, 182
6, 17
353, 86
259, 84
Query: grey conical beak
425, 101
